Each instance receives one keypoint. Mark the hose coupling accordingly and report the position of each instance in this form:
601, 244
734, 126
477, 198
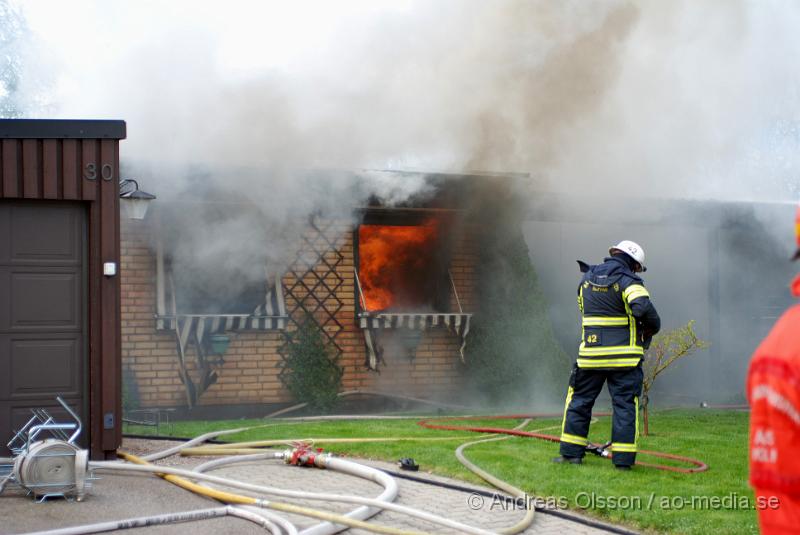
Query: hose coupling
600, 451
305, 456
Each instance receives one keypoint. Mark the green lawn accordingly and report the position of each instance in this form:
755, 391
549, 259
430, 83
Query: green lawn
648, 499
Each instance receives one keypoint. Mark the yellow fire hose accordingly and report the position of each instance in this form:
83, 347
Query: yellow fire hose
254, 446
228, 497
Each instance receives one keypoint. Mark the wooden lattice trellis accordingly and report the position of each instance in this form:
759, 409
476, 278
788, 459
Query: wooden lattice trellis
313, 284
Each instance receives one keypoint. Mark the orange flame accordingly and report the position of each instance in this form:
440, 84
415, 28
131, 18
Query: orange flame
394, 263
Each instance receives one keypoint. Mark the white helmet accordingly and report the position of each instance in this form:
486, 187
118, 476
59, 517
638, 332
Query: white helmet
632, 249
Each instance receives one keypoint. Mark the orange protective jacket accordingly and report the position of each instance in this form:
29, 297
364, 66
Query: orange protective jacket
773, 390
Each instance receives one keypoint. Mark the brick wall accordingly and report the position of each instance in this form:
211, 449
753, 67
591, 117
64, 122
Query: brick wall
250, 373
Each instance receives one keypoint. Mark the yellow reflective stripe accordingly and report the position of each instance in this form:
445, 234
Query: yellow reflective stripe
604, 351
580, 305
574, 439
570, 390
608, 363
636, 295
623, 447
635, 291
632, 337
603, 321
636, 435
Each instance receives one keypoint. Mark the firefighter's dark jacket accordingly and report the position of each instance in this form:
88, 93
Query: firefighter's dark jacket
618, 318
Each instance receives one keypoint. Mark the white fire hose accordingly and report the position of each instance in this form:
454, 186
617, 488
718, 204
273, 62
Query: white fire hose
53, 467
325, 528
169, 518
262, 489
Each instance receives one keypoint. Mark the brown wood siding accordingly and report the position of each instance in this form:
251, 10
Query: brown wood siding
11, 171
83, 170
88, 175
70, 185
31, 164
51, 171
57, 169
108, 180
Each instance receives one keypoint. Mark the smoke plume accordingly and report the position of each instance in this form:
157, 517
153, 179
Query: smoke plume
663, 99
643, 100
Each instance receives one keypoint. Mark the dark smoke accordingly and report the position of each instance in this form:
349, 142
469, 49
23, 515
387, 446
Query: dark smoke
646, 101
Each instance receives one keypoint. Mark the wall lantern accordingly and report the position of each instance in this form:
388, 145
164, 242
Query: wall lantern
133, 200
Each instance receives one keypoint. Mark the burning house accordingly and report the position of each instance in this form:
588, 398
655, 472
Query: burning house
208, 301
213, 287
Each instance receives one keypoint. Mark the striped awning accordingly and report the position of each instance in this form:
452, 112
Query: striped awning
196, 328
455, 322
210, 324
269, 315
192, 324
372, 323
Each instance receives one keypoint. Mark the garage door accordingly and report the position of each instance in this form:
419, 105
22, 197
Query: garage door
42, 310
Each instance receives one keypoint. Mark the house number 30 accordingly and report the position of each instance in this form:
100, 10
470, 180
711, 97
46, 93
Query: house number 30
106, 171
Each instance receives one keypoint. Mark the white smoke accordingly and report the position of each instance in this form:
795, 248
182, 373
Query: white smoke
705, 105
646, 99
672, 99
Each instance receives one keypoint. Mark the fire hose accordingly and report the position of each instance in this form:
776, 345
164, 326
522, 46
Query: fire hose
527, 520
242, 448
258, 509
255, 507
325, 528
232, 498
597, 449
361, 513
255, 446
252, 446
333, 522
301, 456
260, 489
157, 520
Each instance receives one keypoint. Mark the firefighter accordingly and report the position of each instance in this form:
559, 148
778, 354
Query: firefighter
773, 390
618, 322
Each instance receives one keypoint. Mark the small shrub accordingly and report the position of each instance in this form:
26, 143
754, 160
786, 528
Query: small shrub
665, 350
310, 367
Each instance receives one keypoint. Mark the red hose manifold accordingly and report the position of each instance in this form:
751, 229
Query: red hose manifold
303, 456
